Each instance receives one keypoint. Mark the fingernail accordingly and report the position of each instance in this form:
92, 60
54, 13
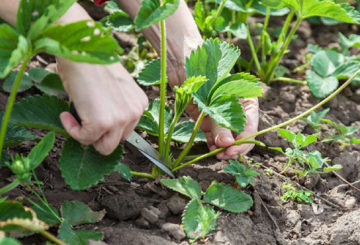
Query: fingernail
226, 140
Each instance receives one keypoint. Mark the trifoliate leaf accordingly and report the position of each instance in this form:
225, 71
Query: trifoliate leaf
152, 12
227, 198
78, 213
83, 167
226, 111
199, 220
150, 75
41, 112
185, 185
83, 41
321, 87
214, 60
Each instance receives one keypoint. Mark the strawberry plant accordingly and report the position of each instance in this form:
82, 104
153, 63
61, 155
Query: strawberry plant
243, 174
314, 119
300, 196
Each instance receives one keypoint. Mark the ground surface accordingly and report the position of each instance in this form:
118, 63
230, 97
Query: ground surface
143, 212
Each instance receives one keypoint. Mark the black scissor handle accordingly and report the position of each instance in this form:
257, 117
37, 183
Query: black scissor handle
74, 113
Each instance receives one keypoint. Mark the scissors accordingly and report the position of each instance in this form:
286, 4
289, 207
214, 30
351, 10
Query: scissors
140, 144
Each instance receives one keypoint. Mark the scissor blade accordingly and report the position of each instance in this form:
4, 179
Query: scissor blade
149, 152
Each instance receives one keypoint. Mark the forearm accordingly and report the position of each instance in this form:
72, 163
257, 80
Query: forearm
8, 10
183, 36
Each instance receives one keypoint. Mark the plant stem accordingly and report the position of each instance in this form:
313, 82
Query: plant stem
191, 140
10, 186
218, 12
169, 135
253, 51
149, 176
273, 63
289, 80
51, 237
11, 101
243, 140
162, 88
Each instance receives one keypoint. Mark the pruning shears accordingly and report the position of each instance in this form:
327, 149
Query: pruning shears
140, 144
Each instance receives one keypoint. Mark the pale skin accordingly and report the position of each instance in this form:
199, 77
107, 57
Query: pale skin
109, 101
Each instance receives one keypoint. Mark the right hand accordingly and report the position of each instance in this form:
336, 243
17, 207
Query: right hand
107, 99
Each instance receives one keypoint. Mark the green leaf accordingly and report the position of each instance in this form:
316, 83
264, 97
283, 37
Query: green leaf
183, 94
185, 185
38, 74
152, 12
15, 134
183, 131
52, 85
347, 70
41, 150
279, 149
325, 62
8, 240
351, 42
45, 215
288, 135
78, 237
244, 175
150, 75
13, 49
214, 60
227, 198
321, 87
83, 41
314, 118
78, 213
333, 168
200, 15
119, 21
238, 29
124, 171
199, 220
83, 167
25, 82
226, 111
150, 119
324, 8
40, 112
15, 217
239, 88
43, 13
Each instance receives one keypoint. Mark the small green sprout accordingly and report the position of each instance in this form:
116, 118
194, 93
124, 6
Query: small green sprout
314, 119
300, 196
343, 134
243, 174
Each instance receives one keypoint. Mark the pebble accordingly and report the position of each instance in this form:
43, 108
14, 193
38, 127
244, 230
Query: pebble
150, 214
350, 202
174, 230
176, 204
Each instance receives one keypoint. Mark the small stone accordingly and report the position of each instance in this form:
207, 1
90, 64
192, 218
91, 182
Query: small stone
174, 230
176, 204
151, 214
142, 223
292, 217
350, 202
97, 243
164, 210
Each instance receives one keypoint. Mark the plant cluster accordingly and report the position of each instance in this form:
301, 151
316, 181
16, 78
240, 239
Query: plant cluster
300, 196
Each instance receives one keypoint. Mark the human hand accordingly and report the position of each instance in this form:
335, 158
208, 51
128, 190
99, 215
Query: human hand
107, 99
219, 137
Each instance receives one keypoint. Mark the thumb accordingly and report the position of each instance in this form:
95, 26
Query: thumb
222, 136
71, 125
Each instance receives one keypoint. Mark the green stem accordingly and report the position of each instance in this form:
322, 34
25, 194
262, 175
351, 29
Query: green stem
162, 88
252, 49
243, 140
273, 63
10, 186
145, 175
266, 23
51, 237
289, 80
169, 136
218, 13
284, 30
191, 140
11, 101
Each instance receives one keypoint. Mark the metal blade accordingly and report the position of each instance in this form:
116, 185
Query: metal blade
149, 152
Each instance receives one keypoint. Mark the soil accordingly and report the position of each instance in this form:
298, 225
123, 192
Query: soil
144, 212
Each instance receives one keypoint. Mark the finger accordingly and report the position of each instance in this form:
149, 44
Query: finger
108, 142
222, 136
129, 129
234, 151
